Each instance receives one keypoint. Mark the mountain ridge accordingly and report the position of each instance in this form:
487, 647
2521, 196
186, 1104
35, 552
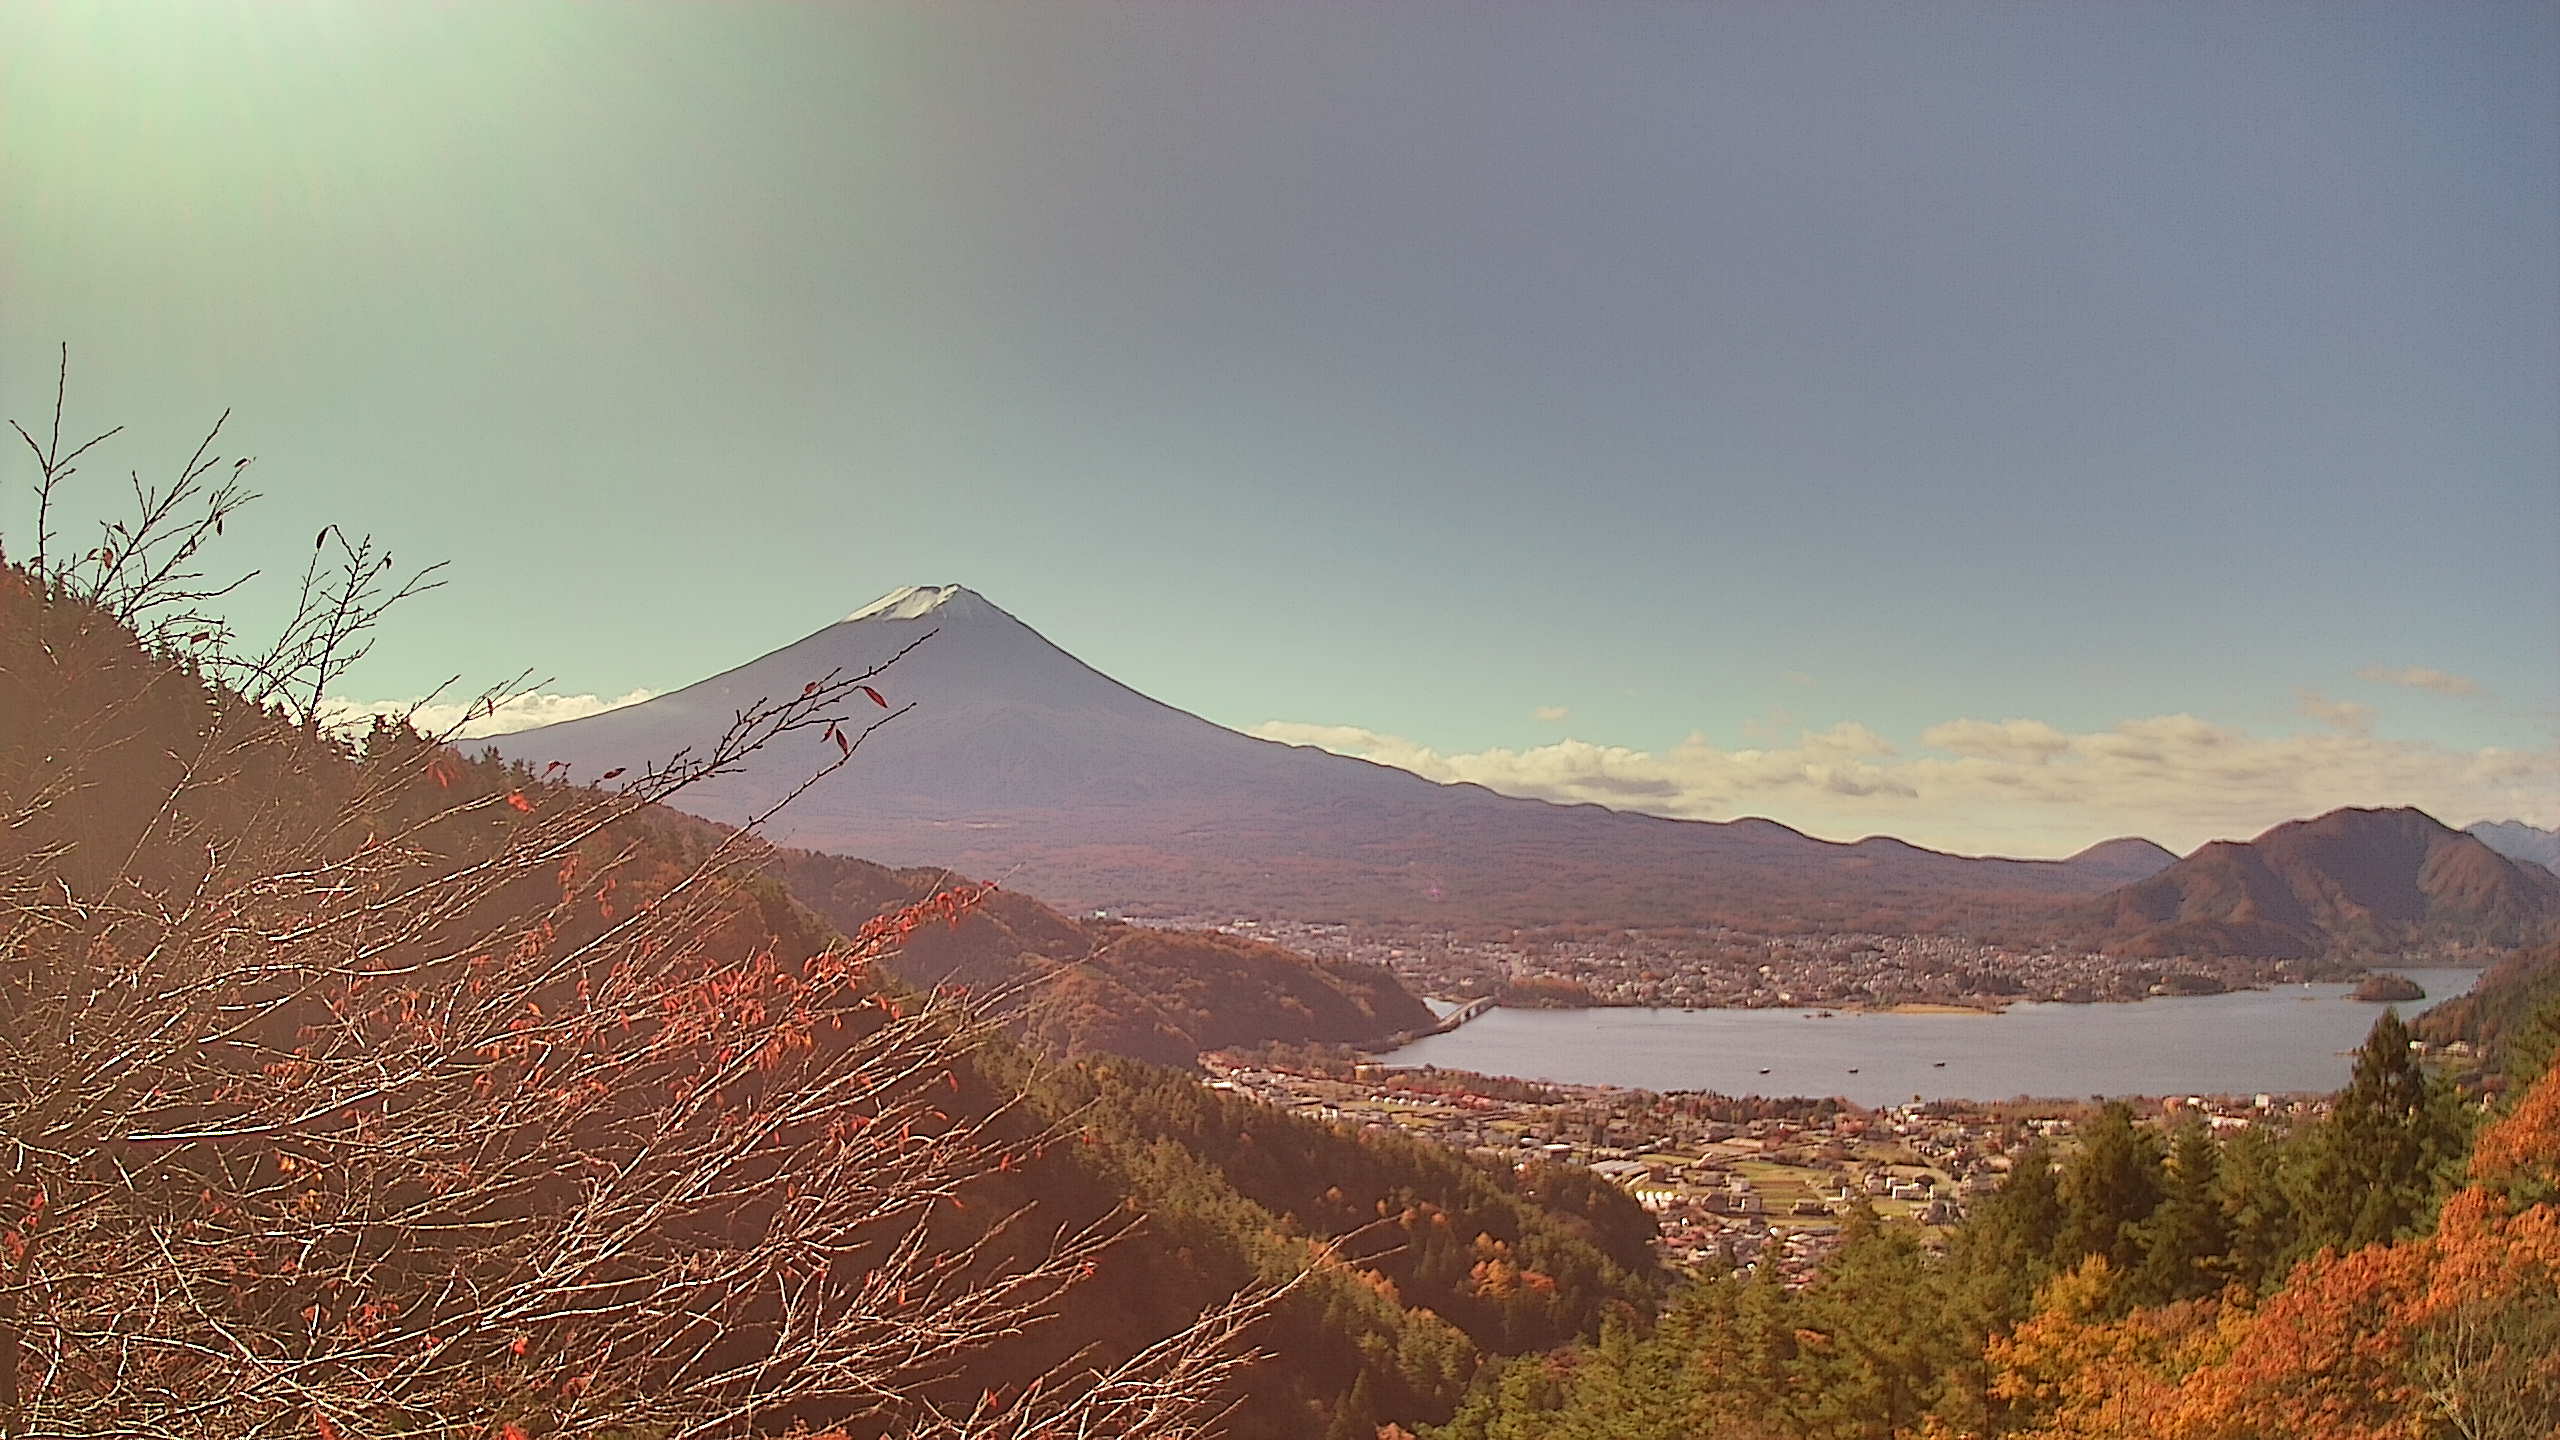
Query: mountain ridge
2353, 880
2518, 840
1023, 763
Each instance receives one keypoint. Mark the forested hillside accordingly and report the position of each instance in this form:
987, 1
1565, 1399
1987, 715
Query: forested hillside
2501, 1005
1426, 1261
1084, 987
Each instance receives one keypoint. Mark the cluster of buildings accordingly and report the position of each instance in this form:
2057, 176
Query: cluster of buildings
1723, 1183
1721, 967
1727, 1180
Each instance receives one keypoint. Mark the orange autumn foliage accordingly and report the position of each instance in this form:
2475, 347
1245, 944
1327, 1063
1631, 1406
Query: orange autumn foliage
2087, 1376
2454, 1333
2525, 1144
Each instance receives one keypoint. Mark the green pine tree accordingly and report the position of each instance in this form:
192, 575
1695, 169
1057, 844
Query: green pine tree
2375, 1169
2109, 1188
2187, 1240
1356, 1417
2006, 1247
2259, 1223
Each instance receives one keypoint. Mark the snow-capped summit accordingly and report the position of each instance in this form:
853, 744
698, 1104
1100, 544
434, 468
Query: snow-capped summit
1012, 759
918, 602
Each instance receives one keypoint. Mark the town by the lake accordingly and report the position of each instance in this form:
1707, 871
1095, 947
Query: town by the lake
1728, 1179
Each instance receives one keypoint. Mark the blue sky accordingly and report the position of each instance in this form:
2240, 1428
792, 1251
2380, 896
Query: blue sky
1386, 375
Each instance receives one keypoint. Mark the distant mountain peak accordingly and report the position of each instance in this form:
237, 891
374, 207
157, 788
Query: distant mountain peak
2128, 845
919, 602
2355, 880
2130, 856
2518, 840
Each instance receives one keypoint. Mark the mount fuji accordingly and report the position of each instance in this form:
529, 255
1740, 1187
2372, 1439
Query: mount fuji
1022, 764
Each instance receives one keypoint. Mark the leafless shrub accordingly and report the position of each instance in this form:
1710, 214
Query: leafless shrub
455, 1104
145, 571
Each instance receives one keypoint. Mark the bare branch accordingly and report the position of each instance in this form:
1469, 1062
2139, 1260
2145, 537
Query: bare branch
405, 1093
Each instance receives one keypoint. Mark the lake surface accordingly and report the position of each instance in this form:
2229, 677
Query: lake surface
2296, 1037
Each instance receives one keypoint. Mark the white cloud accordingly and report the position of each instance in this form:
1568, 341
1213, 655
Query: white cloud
2420, 677
2024, 742
1551, 714
2345, 715
2017, 786
522, 712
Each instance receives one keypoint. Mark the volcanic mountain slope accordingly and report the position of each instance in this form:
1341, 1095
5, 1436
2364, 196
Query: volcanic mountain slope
1084, 987
2518, 841
1022, 763
2348, 882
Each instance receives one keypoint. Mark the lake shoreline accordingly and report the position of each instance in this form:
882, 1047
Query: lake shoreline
2293, 1038
1988, 1004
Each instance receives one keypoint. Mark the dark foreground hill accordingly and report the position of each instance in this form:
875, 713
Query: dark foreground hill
1096, 987
1020, 761
2348, 883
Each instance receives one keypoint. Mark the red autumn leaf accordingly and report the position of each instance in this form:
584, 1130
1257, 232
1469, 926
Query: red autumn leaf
874, 694
555, 765
320, 1423
616, 770
841, 743
516, 798
809, 689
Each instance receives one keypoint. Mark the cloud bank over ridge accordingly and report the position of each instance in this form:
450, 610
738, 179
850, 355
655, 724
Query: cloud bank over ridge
520, 712
2015, 786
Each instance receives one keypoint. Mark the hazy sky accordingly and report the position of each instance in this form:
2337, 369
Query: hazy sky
2002, 426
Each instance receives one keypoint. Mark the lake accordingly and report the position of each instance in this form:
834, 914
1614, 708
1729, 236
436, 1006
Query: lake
2299, 1037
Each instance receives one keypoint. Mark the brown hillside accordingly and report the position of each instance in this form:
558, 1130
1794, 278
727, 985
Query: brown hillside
2348, 881
1098, 987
